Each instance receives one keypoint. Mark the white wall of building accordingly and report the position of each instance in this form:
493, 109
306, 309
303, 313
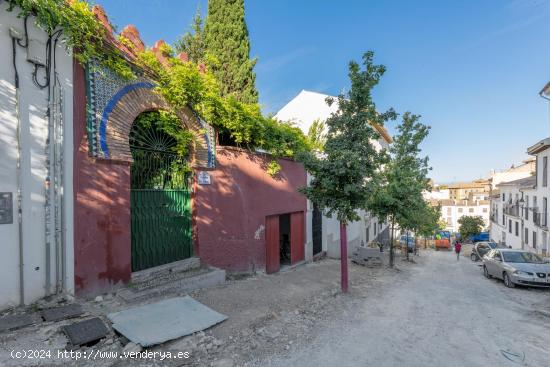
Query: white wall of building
436, 194
510, 224
452, 213
34, 129
526, 169
542, 194
303, 110
497, 227
356, 233
532, 235
530, 196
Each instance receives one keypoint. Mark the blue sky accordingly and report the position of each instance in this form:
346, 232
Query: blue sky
471, 68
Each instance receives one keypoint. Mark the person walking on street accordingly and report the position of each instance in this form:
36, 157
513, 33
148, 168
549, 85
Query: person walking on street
458, 247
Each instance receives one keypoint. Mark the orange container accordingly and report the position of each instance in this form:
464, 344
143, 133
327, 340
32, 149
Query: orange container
442, 244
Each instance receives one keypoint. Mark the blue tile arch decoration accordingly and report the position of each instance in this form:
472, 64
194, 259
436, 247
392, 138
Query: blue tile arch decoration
111, 104
208, 137
109, 108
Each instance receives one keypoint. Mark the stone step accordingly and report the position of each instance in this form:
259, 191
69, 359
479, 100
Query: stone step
146, 275
173, 283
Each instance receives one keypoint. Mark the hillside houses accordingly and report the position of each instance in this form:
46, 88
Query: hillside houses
519, 208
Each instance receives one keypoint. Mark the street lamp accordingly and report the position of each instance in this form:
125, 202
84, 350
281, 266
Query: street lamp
545, 92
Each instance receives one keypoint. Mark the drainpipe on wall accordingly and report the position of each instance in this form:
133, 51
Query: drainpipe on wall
15, 37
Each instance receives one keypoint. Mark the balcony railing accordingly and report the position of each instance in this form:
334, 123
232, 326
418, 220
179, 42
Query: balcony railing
540, 219
512, 209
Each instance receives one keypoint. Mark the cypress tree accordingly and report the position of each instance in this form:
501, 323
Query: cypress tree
193, 43
227, 42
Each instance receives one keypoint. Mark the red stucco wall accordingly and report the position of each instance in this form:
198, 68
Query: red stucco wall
101, 209
231, 211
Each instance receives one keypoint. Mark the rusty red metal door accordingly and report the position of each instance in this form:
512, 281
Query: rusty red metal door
297, 250
272, 261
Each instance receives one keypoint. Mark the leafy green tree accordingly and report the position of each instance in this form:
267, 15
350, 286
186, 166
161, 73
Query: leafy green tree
343, 177
398, 193
470, 225
227, 41
193, 43
316, 135
429, 221
422, 219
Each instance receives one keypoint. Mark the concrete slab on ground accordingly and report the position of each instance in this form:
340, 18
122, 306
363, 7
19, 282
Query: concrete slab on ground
62, 312
169, 319
87, 331
368, 256
14, 322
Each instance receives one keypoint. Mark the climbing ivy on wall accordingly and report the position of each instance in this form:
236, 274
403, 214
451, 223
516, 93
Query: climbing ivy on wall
181, 83
82, 31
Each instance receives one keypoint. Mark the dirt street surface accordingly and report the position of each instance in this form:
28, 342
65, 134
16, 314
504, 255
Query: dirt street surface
267, 315
443, 313
430, 312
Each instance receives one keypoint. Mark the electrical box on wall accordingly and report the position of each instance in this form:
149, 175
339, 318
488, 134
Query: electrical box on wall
36, 52
6, 208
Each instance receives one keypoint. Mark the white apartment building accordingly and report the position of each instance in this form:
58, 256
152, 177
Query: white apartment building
538, 203
508, 218
453, 210
523, 170
323, 232
519, 208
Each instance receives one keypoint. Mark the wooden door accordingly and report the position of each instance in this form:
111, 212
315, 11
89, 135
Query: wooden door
272, 261
297, 226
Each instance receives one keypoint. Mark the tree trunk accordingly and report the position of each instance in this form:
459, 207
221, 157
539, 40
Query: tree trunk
391, 244
344, 257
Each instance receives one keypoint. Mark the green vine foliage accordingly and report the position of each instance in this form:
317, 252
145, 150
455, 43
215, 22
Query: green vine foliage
82, 31
181, 84
152, 168
169, 123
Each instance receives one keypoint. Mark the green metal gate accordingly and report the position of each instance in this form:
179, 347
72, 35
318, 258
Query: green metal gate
160, 200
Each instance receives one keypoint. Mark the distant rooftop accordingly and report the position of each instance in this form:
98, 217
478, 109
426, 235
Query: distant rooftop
539, 147
522, 182
452, 202
468, 185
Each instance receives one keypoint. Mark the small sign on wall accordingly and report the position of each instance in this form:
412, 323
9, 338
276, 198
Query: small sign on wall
6, 208
204, 178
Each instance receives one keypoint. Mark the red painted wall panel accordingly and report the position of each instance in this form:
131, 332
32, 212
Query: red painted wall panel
297, 234
272, 257
231, 212
101, 209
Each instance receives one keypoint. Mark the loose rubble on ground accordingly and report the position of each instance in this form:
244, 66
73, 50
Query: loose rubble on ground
267, 314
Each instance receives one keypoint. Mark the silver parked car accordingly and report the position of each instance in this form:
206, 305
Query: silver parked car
481, 249
516, 267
